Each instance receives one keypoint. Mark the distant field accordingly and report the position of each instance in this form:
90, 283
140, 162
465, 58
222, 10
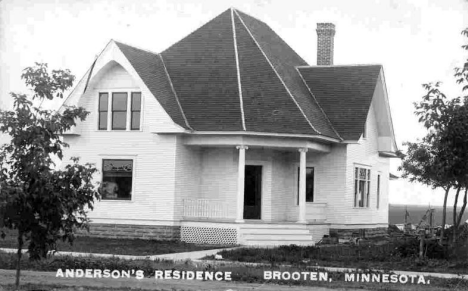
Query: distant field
396, 214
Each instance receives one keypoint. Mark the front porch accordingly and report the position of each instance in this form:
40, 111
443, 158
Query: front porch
251, 232
257, 194
218, 210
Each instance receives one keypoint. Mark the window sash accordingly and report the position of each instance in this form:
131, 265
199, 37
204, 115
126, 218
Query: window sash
310, 180
117, 179
119, 110
135, 115
362, 178
378, 191
103, 111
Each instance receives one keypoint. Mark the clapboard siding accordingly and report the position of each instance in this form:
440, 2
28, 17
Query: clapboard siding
330, 170
219, 176
329, 179
188, 175
366, 153
154, 155
282, 185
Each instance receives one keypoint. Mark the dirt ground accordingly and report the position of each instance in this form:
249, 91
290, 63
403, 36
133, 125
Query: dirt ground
48, 281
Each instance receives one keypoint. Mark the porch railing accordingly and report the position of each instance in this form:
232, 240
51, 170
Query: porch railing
205, 208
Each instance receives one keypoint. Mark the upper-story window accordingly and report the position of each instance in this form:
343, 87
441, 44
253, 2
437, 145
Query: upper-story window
103, 110
119, 111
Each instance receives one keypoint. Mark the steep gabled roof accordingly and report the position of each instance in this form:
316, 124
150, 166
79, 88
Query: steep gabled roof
344, 93
236, 74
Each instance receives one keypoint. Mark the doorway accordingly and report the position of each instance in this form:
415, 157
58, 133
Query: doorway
253, 192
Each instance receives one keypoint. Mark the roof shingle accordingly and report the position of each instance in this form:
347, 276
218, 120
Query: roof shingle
150, 68
344, 93
202, 79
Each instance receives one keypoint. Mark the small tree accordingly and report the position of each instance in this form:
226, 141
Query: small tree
440, 159
42, 204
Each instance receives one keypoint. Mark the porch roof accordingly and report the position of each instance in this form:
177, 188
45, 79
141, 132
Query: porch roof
273, 142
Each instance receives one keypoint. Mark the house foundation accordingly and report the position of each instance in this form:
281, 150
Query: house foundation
358, 232
129, 231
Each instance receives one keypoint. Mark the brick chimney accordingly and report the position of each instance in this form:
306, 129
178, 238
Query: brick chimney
325, 36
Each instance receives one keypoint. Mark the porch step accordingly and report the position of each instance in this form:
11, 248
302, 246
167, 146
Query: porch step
273, 226
275, 234
279, 242
277, 231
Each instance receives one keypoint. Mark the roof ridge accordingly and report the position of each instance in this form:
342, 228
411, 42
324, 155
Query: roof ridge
237, 10
276, 72
175, 93
318, 104
196, 29
279, 36
238, 69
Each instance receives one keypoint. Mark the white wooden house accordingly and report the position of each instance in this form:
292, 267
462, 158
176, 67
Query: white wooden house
229, 136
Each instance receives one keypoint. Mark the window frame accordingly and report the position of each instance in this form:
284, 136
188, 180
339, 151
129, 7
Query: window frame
134, 166
379, 180
296, 184
129, 92
114, 111
106, 111
357, 186
132, 110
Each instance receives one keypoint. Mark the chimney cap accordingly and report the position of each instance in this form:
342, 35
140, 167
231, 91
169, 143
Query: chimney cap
326, 28
325, 25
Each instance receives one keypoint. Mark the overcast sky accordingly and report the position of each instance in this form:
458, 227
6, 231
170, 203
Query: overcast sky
416, 41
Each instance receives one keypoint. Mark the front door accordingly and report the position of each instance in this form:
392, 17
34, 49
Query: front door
253, 192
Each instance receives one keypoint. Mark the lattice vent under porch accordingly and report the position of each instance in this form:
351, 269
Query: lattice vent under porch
209, 235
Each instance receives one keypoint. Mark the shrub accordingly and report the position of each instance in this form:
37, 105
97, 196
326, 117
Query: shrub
432, 249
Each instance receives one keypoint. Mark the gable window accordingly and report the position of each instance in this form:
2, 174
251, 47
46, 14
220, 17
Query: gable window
135, 111
117, 177
119, 110
103, 110
378, 191
124, 109
309, 184
361, 187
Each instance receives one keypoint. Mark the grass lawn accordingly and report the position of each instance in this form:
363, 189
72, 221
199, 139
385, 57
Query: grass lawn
240, 274
364, 257
137, 247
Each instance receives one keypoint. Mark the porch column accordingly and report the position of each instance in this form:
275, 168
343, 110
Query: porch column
241, 183
302, 186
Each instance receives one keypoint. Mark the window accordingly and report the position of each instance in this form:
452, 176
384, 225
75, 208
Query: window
309, 184
378, 191
119, 110
361, 187
103, 109
135, 111
124, 109
117, 177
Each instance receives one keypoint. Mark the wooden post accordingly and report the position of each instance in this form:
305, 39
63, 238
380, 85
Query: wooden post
421, 244
241, 183
302, 186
